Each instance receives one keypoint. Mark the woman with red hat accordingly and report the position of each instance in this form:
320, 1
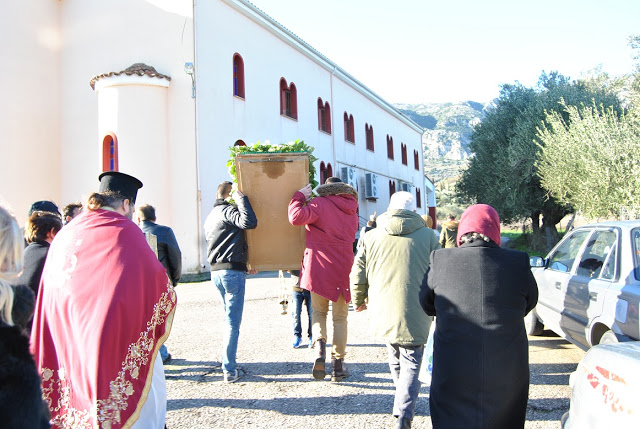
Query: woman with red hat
479, 293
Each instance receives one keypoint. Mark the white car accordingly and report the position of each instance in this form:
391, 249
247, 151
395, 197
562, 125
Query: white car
605, 389
589, 285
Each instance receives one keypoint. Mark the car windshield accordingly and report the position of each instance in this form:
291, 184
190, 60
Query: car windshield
635, 239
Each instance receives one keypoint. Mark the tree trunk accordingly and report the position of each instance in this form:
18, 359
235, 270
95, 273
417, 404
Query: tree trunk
549, 221
570, 224
537, 243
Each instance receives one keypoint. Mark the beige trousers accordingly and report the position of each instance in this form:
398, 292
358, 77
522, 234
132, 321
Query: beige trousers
339, 313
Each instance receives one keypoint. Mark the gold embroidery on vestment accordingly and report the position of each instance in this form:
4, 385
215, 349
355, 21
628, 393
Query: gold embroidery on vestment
108, 410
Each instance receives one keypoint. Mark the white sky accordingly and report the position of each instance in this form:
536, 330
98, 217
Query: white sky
423, 51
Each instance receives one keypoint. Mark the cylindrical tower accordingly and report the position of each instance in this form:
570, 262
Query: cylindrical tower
133, 126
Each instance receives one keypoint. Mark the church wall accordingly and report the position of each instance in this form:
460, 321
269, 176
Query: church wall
50, 113
103, 37
223, 118
29, 104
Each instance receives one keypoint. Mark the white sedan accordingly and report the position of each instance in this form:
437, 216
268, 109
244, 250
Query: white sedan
589, 285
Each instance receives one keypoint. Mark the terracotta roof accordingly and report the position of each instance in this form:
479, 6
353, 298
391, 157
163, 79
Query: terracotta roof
139, 69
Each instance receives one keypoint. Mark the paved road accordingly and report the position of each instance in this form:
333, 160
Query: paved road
278, 390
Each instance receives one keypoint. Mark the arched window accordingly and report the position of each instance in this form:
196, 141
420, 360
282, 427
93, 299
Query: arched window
368, 129
392, 187
238, 76
416, 160
329, 170
324, 116
349, 133
403, 149
389, 147
323, 173
239, 143
110, 152
418, 200
288, 99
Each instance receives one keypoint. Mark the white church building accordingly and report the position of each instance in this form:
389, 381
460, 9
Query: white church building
160, 89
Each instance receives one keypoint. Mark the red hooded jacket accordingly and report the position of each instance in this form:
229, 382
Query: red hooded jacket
331, 222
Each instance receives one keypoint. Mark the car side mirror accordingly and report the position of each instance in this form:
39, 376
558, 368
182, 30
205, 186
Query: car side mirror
536, 261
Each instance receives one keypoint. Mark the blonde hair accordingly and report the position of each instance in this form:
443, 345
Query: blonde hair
11, 250
427, 220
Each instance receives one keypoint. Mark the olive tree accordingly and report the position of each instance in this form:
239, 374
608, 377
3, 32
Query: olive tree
591, 161
505, 145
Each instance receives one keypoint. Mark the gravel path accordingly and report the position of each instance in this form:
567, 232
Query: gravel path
278, 390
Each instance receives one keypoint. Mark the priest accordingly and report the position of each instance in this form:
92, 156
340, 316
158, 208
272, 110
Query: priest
104, 308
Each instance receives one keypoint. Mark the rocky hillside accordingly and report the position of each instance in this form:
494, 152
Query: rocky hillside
448, 131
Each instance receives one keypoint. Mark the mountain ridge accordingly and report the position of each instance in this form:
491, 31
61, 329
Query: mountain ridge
448, 130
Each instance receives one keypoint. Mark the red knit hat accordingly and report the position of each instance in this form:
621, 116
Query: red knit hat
480, 218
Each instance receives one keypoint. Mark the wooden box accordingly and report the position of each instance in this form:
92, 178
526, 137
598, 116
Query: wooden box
270, 180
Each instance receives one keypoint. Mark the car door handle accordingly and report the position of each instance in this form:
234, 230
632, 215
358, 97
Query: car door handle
593, 296
558, 285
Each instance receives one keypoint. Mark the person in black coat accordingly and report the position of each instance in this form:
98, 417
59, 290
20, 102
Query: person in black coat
21, 404
480, 294
39, 232
169, 253
168, 249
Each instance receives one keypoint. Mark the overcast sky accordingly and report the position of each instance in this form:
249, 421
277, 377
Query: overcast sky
422, 51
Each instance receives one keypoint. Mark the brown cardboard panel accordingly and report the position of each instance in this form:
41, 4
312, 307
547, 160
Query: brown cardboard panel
270, 180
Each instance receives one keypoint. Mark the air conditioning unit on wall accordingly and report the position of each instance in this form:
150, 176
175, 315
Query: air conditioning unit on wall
348, 175
407, 187
371, 185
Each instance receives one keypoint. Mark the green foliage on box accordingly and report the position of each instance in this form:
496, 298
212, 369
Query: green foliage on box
293, 147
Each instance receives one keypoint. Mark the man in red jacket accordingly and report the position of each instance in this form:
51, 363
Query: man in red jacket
331, 222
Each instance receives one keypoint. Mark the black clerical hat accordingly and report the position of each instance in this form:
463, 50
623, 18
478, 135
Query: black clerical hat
44, 206
121, 183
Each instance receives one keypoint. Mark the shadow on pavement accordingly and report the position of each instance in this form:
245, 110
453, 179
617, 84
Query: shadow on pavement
312, 406
362, 375
546, 405
551, 373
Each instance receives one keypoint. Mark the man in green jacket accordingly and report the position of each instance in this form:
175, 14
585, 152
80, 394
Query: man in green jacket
449, 232
385, 278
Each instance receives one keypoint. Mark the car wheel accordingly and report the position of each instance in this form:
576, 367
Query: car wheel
609, 338
533, 325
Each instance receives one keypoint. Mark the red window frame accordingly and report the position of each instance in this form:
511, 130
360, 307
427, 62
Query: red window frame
403, 149
418, 199
349, 132
110, 158
288, 99
389, 147
324, 116
323, 173
368, 129
238, 75
416, 160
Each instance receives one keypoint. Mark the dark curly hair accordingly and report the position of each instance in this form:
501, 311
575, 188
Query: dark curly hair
39, 224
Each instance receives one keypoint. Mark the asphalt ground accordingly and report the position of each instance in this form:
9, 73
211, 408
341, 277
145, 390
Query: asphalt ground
278, 391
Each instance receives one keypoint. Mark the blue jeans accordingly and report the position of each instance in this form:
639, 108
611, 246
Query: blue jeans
231, 285
404, 363
300, 298
164, 353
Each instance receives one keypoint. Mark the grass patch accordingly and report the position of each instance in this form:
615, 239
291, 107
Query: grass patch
520, 241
